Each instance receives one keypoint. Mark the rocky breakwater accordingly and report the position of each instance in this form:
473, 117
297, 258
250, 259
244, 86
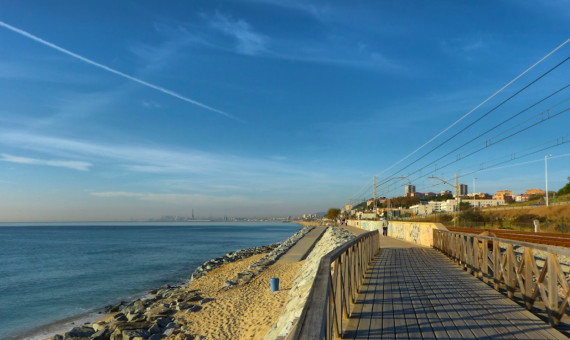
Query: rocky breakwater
150, 318
260, 265
333, 238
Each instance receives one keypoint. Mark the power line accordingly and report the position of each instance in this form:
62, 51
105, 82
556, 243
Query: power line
476, 107
501, 123
484, 115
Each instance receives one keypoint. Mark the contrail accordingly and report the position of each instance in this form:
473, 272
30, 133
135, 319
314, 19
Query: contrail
119, 73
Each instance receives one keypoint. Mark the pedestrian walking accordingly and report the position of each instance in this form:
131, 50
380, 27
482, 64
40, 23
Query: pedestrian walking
384, 223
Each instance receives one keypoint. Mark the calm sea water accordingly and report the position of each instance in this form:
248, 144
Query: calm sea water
49, 272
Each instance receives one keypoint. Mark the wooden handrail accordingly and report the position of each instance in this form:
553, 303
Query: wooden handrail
334, 290
521, 272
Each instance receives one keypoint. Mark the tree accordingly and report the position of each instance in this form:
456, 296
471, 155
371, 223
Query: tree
565, 190
333, 213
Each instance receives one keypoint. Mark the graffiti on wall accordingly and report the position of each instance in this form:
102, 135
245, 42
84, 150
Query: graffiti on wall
419, 233
416, 232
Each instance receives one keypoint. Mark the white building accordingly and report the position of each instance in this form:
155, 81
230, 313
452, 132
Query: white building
484, 203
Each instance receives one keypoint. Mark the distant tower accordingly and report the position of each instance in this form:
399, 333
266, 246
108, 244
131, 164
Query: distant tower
463, 190
192, 213
409, 189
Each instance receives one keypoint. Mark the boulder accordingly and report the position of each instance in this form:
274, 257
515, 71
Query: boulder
120, 317
163, 322
79, 332
205, 300
135, 334
116, 335
102, 334
99, 326
154, 329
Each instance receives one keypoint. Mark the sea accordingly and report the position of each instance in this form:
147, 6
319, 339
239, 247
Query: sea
57, 275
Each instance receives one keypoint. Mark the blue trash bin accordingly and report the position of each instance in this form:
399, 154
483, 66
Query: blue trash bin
274, 282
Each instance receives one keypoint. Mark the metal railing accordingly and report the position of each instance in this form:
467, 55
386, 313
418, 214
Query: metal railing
335, 288
528, 270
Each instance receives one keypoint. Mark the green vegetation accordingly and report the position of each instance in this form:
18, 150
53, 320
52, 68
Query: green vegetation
564, 190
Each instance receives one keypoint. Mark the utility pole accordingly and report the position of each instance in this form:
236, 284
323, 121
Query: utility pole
458, 200
474, 178
546, 174
374, 186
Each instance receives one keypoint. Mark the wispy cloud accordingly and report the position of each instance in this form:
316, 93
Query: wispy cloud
153, 159
109, 69
75, 165
247, 40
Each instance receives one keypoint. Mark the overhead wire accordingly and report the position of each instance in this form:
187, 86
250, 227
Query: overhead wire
478, 106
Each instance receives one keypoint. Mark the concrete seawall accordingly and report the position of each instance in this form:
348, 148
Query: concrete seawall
420, 233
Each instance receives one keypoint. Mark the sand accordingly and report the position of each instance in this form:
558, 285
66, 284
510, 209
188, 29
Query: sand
244, 312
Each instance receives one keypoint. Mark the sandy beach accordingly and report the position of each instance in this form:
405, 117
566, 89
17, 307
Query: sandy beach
243, 312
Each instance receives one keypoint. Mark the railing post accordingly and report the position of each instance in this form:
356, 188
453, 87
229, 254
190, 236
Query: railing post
528, 283
510, 278
485, 264
552, 304
496, 264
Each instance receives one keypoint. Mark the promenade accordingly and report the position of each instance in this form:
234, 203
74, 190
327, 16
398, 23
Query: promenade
413, 292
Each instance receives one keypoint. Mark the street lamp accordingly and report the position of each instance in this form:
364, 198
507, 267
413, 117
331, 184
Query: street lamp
546, 174
474, 178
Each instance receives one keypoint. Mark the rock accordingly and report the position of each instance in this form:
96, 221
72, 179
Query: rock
114, 308
194, 308
57, 337
162, 322
120, 317
79, 332
155, 337
170, 325
102, 334
205, 300
135, 334
116, 335
122, 326
154, 329
160, 310
195, 297
99, 326
134, 317
168, 332
228, 284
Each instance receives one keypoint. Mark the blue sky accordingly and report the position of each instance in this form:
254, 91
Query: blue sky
136, 109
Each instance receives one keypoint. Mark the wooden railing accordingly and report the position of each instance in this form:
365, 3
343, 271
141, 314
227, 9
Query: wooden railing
530, 270
334, 291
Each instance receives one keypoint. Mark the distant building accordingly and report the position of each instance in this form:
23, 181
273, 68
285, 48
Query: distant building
369, 202
462, 189
537, 192
409, 189
421, 209
522, 198
505, 195
446, 192
430, 194
485, 203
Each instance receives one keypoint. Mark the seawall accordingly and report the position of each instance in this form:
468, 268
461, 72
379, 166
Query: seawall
420, 233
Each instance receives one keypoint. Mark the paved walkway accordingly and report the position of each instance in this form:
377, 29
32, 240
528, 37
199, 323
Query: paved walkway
303, 247
413, 292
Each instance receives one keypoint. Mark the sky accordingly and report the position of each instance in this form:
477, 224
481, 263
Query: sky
130, 110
